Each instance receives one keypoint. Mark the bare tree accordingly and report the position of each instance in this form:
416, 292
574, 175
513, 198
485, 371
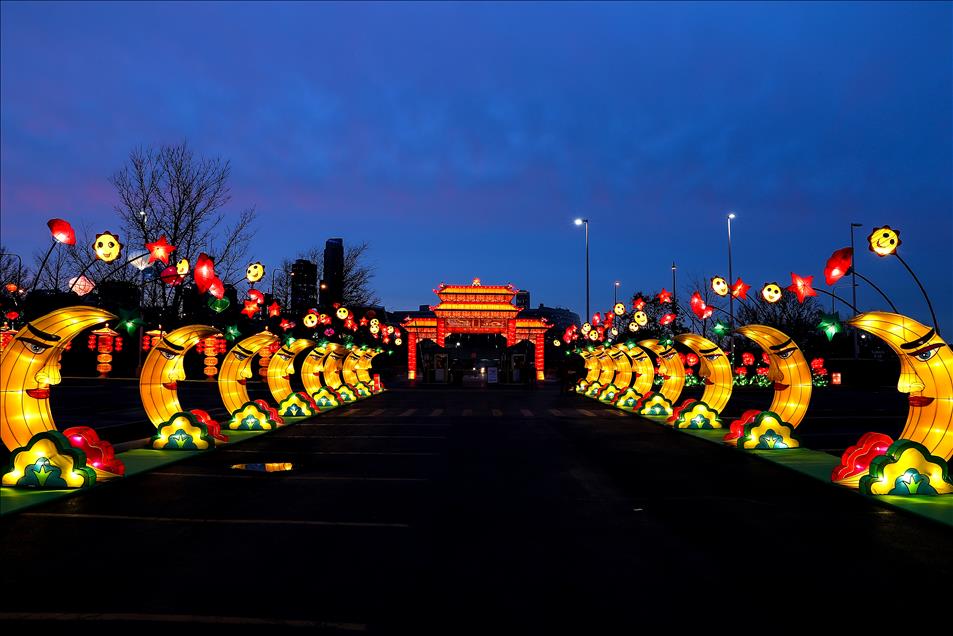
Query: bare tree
170, 192
357, 290
13, 269
797, 320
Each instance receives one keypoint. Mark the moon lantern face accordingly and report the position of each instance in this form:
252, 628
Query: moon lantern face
619, 309
641, 318
107, 247
255, 272
643, 370
236, 369
282, 367
714, 370
29, 366
164, 368
670, 365
926, 375
884, 241
719, 285
787, 368
342, 313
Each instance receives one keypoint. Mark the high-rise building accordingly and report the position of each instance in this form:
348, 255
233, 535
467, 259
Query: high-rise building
304, 285
332, 285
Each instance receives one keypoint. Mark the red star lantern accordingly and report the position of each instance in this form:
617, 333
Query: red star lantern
667, 319
274, 310
364, 321
250, 309
801, 286
740, 289
62, 231
204, 272
286, 324
838, 265
664, 296
160, 250
638, 304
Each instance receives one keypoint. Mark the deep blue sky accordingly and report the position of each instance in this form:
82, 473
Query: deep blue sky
461, 140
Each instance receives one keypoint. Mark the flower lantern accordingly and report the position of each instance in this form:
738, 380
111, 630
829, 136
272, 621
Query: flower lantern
838, 265
81, 285
747, 358
62, 231
104, 341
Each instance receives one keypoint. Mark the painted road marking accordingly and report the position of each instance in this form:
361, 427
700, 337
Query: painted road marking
178, 618
526, 412
586, 413
436, 412
375, 413
556, 412
408, 412
266, 522
496, 412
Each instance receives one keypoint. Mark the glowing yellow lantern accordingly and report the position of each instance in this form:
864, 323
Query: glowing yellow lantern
236, 369
107, 247
164, 367
714, 370
254, 272
281, 368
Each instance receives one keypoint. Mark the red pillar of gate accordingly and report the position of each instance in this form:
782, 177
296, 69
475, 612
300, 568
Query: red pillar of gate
411, 356
540, 356
441, 332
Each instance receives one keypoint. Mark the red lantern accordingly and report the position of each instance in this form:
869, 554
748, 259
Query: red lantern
762, 370
62, 231
665, 296
257, 296
838, 265
817, 363
104, 341
691, 359
747, 358
170, 276
638, 304
204, 272
765, 357
742, 371
251, 308
667, 319
274, 310
217, 288
801, 286
160, 250
740, 289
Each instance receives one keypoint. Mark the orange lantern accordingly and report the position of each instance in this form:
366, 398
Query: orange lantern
211, 347
265, 357
151, 338
104, 341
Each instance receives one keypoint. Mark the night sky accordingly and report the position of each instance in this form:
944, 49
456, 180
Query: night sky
461, 140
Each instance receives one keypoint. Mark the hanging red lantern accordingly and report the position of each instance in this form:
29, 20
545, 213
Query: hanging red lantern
204, 272
838, 265
62, 231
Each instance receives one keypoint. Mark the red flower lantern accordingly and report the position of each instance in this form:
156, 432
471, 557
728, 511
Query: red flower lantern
742, 371
838, 265
817, 363
62, 231
762, 370
801, 286
740, 289
747, 358
204, 272
691, 359
667, 319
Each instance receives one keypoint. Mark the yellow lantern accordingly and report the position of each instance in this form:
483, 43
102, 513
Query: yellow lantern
714, 370
281, 368
236, 370
164, 367
771, 292
670, 368
107, 247
254, 272
884, 241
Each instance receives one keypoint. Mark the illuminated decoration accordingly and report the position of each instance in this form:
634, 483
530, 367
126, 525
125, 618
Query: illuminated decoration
633, 326
216, 288
324, 319
48, 462
81, 285
801, 286
274, 310
204, 272
714, 370
270, 410
298, 404
184, 431
926, 374
161, 251
700, 308
740, 289
619, 309
787, 370
232, 333
643, 370
310, 319
696, 414
585, 329
487, 309
638, 304
342, 313
281, 368
326, 399
838, 265
107, 247
855, 462
236, 370
737, 428
768, 432
907, 468
346, 394
182, 267
771, 293
627, 399
596, 319
257, 296
665, 296
171, 277
719, 285
286, 324
640, 318
593, 390
667, 319
654, 404
884, 241
62, 231
140, 259
671, 369
830, 325
747, 358
211, 347
218, 305
355, 370
104, 341
214, 428
29, 365
6, 335
164, 367
252, 417
251, 308
594, 335
152, 338
130, 320
720, 328
254, 273
100, 454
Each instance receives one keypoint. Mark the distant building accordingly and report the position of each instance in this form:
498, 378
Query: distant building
521, 299
557, 316
332, 285
304, 285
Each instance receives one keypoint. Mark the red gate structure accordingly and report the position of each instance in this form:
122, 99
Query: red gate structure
475, 308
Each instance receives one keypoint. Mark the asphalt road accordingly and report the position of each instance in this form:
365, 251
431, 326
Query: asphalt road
467, 511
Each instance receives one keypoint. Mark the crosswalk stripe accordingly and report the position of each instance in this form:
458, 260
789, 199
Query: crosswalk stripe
496, 412
436, 412
526, 412
467, 412
586, 413
556, 412
618, 413
408, 412
375, 412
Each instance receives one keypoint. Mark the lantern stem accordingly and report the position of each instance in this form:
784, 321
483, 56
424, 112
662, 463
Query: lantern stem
871, 283
922, 290
39, 271
111, 272
839, 298
85, 269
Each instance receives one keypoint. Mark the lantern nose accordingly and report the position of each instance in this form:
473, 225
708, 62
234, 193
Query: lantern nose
774, 372
245, 374
910, 383
49, 375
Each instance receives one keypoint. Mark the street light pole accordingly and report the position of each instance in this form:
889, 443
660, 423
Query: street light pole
731, 295
580, 222
674, 287
615, 293
853, 275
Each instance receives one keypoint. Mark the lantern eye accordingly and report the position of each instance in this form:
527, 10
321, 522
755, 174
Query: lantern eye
712, 356
240, 356
36, 348
786, 353
926, 353
168, 355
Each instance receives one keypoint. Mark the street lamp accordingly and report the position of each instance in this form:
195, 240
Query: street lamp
580, 222
853, 275
731, 295
615, 293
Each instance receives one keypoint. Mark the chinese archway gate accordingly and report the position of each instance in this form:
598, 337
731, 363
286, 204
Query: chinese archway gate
475, 308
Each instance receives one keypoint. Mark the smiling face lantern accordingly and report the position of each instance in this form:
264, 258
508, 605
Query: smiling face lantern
255, 272
107, 247
719, 285
884, 241
771, 292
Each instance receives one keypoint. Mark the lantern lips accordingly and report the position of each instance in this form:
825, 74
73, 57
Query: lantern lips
920, 400
39, 394
170, 385
242, 381
781, 386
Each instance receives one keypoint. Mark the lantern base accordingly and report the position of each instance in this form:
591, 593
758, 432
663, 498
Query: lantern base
183, 431
48, 462
907, 469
